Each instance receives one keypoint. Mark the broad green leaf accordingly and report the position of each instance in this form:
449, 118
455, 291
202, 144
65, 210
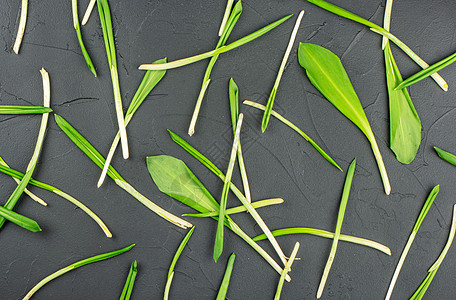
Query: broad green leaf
327, 74
23, 110
75, 266
446, 156
405, 124
130, 282
175, 179
340, 219
427, 205
226, 278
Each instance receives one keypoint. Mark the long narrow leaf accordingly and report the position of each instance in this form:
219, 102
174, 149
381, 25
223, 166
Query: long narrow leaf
130, 282
99, 160
267, 111
233, 45
20, 220
226, 278
238, 209
340, 219
23, 110
377, 29
285, 271
446, 156
295, 128
232, 20
75, 266
14, 198
77, 27
149, 81
327, 74
427, 205
328, 235
108, 35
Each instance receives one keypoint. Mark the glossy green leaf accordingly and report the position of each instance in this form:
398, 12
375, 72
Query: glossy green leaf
18, 219
446, 156
130, 282
23, 110
327, 74
340, 219
75, 266
77, 27
226, 278
405, 124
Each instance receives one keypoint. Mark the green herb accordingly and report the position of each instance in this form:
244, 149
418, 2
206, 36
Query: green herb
229, 6
75, 266
23, 110
295, 128
88, 11
327, 74
149, 81
235, 44
14, 198
99, 160
238, 209
226, 278
18, 175
233, 92
427, 72
175, 179
328, 235
108, 35
433, 269
21, 29
424, 210
446, 156
218, 245
267, 111
405, 124
30, 194
18, 219
285, 271
130, 282
174, 261
233, 18
76, 26
340, 219
202, 159
377, 29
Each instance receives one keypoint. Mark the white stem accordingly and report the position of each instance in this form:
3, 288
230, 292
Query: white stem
286, 270
448, 244
245, 180
88, 11
46, 280
21, 29
387, 20
191, 129
381, 165
229, 5
119, 111
152, 206
399, 265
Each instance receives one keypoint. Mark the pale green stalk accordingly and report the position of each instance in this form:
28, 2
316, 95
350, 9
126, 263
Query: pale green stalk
199, 101
226, 278
218, 245
238, 209
387, 20
21, 29
19, 219
229, 5
88, 12
267, 111
427, 205
168, 286
14, 198
340, 219
295, 128
285, 271
233, 45
75, 266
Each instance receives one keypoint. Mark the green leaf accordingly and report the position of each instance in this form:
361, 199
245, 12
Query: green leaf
20, 220
327, 74
226, 278
340, 219
446, 156
23, 110
295, 128
174, 261
77, 27
75, 266
405, 124
130, 282
233, 45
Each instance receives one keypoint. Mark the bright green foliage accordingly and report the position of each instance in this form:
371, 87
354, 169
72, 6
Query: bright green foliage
446, 156
226, 278
23, 110
130, 282
77, 27
18, 219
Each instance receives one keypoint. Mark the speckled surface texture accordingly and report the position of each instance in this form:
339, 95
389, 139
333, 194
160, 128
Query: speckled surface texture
279, 162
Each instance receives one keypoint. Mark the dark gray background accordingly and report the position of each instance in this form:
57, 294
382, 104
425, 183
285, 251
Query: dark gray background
280, 163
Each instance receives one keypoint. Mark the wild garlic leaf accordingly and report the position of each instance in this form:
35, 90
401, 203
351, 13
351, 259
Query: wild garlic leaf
226, 278
446, 156
327, 74
23, 110
19, 219
405, 124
